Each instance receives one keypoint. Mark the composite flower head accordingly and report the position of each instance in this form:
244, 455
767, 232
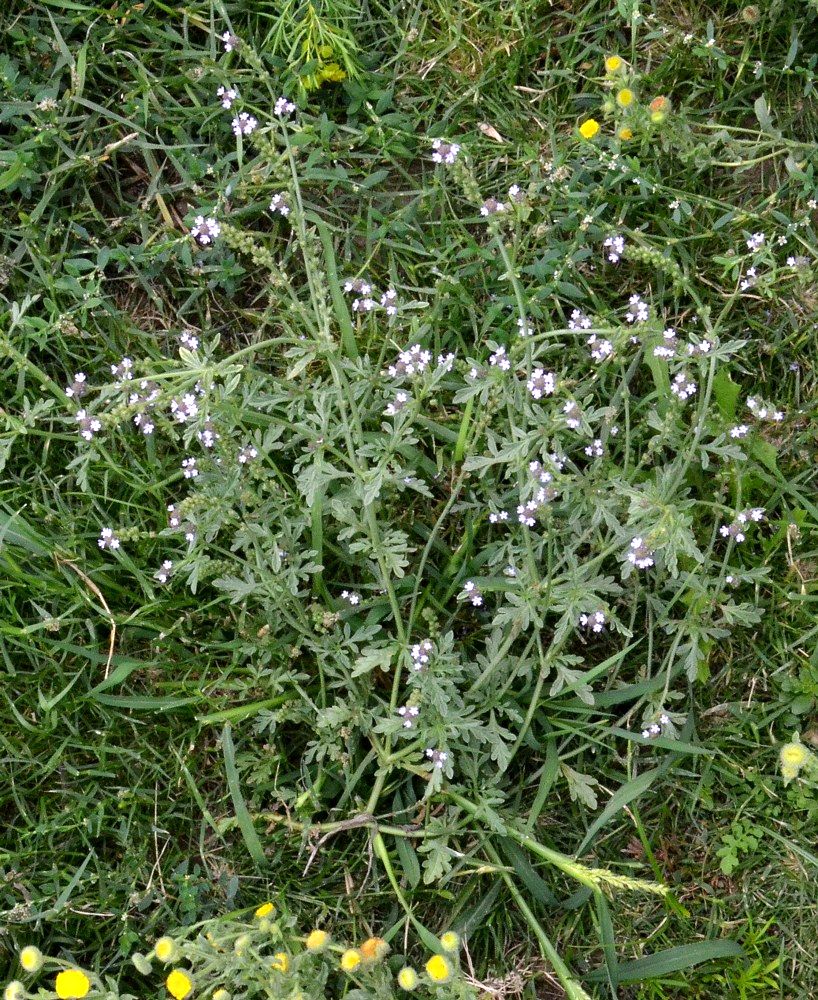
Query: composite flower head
179, 984
450, 941
625, 97
280, 962
14, 991
373, 949
614, 63
265, 910
439, 969
72, 984
351, 959
407, 978
165, 948
31, 958
589, 128
317, 940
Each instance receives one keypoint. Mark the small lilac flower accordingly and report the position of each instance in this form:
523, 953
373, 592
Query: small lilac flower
189, 470
205, 230
78, 387
184, 409
409, 714
637, 311
498, 517
667, 349
595, 449
764, 411
593, 621
756, 241
682, 387
500, 359
107, 539
358, 286
164, 573
444, 152
615, 245
579, 321
749, 279
208, 435
516, 194
226, 95
351, 597
279, 204
541, 383
412, 361
471, 592
524, 327
283, 107
599, 347
397, 404
700, 347
437, 757
249, 453
639, 554
244, 124
445, 361
389, 301
230, 40
573, 415
421, 654
88, 425
188, 339
492, 207
739, 431
123, 371
364, 305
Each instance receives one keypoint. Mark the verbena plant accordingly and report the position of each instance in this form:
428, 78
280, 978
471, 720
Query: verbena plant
472, 516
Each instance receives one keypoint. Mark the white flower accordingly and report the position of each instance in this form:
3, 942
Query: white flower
421, 654
226, 95
389, 301
230, 40
638, 310
107, 539
189, 340
683, 387
437, 757
515, 193
615, 245
524, 327
498, 518
248, 454
756, 241
189, 470
397, 404
579, 321
444, 152
445, 361
205, 230
412, 361
124, 370
351, 597
163, 574
363, 305
541, 383
667, 348
78, 387
500, 359
573, 415
283, 107
244, 124
639, 554
595, 449
358, 286
739, 431
208, 435
471, 592
492, 207
279, 204
594, 621
600, 348
409, 714
184, 409
88, 425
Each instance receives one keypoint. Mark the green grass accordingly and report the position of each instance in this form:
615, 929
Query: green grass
128, 806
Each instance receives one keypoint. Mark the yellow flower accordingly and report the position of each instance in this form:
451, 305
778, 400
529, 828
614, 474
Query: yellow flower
179, 984
316, 940
165, 949
265, 910
625, 97
613, 63
589, 128
449, 941
31, 958
407, 978
373, 949
281, 962
350, 960
793, 755
222, 995
14, 991
72, 984
438, 969
626, 133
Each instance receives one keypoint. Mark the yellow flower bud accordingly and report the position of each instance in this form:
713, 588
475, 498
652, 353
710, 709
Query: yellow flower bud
31, 958
449, 941
350, 960
407, 978
317, 940
625, 97
613, 64
281, 962
626, 133
165, 950
14, 991
265, 910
